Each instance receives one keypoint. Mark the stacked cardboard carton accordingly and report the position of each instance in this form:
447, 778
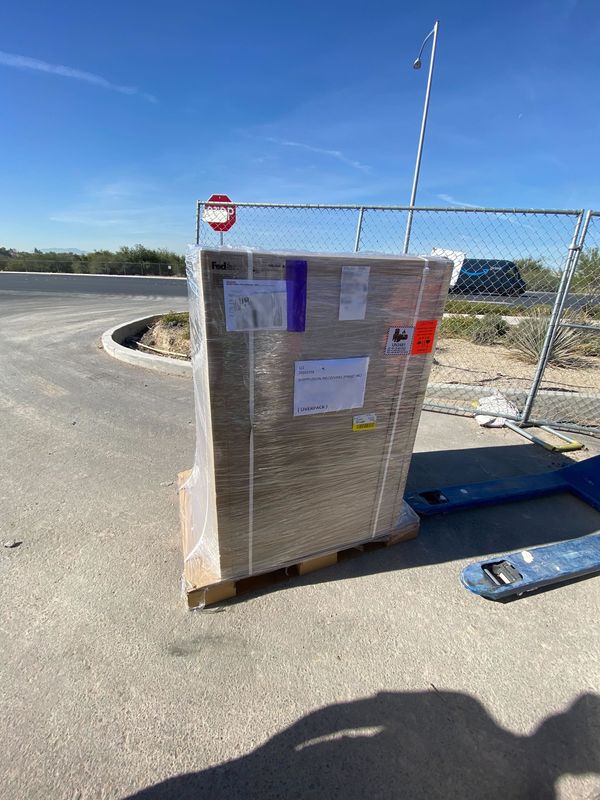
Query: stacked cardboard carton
309, 374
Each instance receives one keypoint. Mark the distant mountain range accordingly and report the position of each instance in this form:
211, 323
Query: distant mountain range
74, 250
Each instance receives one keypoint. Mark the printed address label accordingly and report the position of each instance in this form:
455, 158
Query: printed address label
332, 384
254, 305
354, 291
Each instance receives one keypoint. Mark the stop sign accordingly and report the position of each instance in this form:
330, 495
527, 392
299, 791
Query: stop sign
220, 217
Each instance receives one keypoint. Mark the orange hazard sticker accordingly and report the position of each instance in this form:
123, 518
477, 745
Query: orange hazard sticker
423, 337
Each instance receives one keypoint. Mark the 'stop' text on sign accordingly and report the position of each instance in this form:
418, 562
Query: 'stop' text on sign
219, 217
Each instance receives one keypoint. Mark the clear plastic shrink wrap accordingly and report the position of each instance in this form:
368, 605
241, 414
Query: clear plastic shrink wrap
309, 376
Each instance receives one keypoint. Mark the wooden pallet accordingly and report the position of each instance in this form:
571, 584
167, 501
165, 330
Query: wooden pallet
208, 590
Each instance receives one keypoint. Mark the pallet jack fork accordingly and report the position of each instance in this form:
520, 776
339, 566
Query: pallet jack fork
536, 568
526, 570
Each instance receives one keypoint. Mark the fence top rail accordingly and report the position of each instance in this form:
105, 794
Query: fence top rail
470, 210
594, 213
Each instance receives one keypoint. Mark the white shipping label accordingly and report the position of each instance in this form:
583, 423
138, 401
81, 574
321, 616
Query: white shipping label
353, 292
331, 384
399, 341
255, 305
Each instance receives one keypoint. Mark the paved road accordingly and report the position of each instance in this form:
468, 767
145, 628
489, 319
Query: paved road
176, 287
531, 299
378, 678
45, 283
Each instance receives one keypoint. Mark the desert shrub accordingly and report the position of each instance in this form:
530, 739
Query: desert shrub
179, 320
172, 319
591, 347
458, 327
537, 276
526, 341
590, 311
484, 330
457, 306
489, 329
587, 274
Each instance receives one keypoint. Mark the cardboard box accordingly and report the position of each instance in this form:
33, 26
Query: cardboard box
309, 374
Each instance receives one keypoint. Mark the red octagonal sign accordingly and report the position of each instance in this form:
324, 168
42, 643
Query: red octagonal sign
220, 217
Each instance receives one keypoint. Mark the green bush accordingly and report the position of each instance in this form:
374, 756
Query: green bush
590, 311
587, 274
175, 319
489, 329
457, 306
591, 347
457, 327
486, 330
537, 276
138, 260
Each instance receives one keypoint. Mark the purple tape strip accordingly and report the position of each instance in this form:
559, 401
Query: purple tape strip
295, 275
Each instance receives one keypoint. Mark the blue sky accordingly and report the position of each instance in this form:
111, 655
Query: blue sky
118, 116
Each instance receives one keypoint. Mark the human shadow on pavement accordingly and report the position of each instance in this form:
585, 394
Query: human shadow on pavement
399, 745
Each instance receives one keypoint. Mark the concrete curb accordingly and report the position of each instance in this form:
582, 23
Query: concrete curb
112, 342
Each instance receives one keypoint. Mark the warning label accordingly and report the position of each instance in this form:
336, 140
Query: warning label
364, 422
399, 341
423, 337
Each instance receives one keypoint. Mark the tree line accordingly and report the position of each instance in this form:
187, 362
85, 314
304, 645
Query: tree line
137, 260
540, 278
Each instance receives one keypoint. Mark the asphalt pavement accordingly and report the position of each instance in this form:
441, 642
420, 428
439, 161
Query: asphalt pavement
531, 298
135, 286
63, 284
380, 677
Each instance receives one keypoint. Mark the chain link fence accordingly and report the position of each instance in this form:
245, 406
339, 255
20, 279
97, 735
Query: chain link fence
568, 393
520, 286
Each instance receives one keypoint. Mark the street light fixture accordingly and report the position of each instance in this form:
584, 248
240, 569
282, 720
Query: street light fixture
417, 65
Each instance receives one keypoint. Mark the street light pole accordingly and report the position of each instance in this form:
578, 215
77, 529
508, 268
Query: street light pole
417, 65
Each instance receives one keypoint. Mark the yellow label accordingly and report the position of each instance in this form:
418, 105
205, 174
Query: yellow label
364, 422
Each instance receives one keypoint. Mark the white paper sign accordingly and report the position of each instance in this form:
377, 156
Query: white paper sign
331, 384
255, 305
399, 341
353, 292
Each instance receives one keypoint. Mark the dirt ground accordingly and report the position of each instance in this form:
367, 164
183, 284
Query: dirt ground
459, 361
173, 339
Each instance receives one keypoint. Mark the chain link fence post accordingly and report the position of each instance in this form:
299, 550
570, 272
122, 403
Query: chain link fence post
578, 336
563, 289
198, 212
361, 212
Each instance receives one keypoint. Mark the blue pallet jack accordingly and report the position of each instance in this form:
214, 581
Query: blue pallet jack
538, 567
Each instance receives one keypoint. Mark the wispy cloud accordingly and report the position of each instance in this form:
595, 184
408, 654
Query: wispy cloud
122, 188
93, 228
129, 220
447, 198
25, 62
337, 154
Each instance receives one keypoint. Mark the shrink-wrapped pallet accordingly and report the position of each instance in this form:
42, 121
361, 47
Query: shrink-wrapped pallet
309, 375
